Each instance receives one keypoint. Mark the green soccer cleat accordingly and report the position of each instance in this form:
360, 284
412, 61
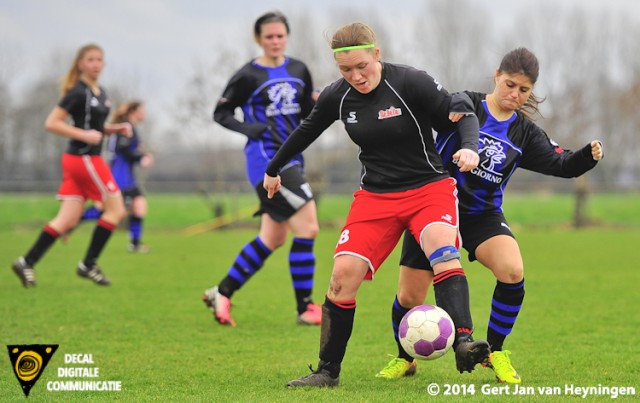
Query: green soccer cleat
500, 363
397, 368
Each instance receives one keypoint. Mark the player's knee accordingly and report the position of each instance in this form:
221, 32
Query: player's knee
408, 299
508, 273
274, 242
444, 254
309, 232
115, 212
345, 281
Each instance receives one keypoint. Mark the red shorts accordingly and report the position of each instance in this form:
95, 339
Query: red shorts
376, 221
86, 177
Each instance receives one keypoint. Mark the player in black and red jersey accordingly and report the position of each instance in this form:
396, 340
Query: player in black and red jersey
389, 111
85, 174
508, 140
274, 92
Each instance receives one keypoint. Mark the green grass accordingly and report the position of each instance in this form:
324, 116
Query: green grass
151, 331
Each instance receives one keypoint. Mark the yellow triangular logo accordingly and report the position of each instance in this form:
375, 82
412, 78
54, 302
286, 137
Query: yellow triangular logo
28, 362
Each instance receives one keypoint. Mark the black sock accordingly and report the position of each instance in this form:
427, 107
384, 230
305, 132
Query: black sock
505, 306
452, 294
337, 324
397, 313
101, 235
47, 237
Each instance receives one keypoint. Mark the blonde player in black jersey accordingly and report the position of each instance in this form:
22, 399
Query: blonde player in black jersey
389, 111
508, 140
85, 173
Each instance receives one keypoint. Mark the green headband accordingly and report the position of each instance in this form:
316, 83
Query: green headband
347, 48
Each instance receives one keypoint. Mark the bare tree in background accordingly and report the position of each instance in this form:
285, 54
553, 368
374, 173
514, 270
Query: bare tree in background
5, 127
7, 73
453, 41
207, 143
581, 62
589, 75
32, 151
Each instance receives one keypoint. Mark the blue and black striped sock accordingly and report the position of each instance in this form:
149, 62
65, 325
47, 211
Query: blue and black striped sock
302, 266
505, 306
135, 229
247, 263
397, 313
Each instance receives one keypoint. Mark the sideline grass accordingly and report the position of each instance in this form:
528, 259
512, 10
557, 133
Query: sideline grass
151, 331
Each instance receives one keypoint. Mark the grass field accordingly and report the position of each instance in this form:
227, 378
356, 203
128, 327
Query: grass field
151, 331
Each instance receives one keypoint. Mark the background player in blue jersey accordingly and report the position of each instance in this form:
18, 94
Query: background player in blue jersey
389, 111
508, 140
274, 92
126, 153
85, 173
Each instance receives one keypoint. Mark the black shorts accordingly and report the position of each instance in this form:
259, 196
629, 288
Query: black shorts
294, 193
129, 194
474, 230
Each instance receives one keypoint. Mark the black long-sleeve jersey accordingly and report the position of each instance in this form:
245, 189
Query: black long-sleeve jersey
505, 146
88, 111
392, 125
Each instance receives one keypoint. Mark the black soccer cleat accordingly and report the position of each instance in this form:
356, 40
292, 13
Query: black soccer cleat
319, 378
470, 352
25, 272
93, 273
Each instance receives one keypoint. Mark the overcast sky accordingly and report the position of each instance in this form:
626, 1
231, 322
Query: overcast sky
159, 40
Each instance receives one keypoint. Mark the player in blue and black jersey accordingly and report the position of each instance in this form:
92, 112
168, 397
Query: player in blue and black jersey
508, 140
126, 154
274, 92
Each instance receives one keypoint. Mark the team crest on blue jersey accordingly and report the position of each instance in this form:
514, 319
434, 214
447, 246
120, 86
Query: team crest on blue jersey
283, 100
492, 156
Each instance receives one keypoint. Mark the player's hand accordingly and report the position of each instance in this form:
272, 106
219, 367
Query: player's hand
597, 151
146, 161
124, 128
315, 94
466, 159
454, 117
92, 137
271, 185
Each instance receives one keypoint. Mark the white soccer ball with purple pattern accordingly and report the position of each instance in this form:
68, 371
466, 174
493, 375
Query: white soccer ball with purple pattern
426, 332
